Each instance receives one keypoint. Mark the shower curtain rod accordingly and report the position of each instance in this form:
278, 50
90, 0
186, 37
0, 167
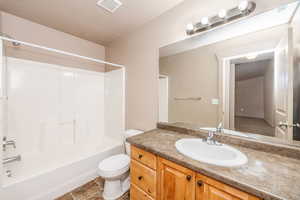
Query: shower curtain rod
61, 52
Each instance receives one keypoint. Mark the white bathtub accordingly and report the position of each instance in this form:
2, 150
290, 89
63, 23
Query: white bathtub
54, 182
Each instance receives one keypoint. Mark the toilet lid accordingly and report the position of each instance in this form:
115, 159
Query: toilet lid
114, 163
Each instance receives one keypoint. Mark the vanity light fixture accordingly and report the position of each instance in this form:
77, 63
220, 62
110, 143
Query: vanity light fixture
224, 16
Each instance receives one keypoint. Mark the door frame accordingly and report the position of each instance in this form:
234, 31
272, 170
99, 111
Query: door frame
226, 81
167, 79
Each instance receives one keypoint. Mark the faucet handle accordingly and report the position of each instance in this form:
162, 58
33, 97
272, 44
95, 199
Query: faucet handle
210, 134
220, 125
6, 143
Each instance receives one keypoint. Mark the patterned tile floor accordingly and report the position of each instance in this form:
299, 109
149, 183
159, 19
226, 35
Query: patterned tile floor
89, 191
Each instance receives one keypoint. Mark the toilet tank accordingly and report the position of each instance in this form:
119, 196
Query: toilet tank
129, 133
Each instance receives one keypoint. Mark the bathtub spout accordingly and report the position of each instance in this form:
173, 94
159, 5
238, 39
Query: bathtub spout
11, 159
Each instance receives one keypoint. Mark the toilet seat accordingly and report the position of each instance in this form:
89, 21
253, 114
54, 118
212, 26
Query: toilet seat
114, 165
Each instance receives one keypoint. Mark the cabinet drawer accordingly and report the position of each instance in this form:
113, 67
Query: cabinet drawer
137, 194
144, 157
143, 177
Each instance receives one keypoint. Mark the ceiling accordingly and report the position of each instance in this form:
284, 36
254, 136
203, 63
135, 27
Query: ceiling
268, 55
254, 69
84, 19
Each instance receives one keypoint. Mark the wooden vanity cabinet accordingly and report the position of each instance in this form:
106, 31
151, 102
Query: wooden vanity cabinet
155, 178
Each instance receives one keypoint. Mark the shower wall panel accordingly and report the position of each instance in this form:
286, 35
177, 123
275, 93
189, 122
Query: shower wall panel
54, 113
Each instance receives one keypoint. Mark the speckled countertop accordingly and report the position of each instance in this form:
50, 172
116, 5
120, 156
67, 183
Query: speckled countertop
266, 175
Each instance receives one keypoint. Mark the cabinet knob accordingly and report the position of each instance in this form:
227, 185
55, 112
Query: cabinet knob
140, 177
140, 156
199, 183
188, 177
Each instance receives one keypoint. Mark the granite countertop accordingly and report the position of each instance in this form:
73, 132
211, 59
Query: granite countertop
266, 175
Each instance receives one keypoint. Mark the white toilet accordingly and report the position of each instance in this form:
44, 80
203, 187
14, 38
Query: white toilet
115, 171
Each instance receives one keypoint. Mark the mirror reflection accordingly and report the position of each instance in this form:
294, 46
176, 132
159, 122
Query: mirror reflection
236, 79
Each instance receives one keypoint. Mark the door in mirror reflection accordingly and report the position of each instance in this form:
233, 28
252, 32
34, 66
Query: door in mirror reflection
253, 95
258, 89
163, 98
284, 87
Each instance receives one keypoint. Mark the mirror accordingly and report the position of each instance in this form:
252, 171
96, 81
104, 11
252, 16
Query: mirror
242, 77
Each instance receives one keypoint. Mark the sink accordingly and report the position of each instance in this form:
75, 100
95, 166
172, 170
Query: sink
220, 155
227, 131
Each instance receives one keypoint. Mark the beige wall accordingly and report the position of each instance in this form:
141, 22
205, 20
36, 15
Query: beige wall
192, 74
24, 30
249, 98
139, 52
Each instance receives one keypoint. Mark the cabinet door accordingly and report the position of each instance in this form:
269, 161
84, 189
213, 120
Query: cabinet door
201, 187
175, 182
210, 189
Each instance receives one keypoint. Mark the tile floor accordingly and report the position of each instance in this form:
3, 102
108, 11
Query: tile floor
254, 125
89, 191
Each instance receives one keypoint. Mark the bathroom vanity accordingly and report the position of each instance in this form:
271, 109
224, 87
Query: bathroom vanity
160, 172
158, 182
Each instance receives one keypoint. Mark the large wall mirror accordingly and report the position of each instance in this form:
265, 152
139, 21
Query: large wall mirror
243, 77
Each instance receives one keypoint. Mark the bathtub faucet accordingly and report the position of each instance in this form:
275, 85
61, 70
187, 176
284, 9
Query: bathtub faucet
7, 143
11, 159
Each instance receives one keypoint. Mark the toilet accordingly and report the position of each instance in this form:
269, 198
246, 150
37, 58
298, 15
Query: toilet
115, 171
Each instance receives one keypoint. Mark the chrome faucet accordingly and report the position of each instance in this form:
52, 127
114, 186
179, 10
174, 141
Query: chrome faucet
220, 128
7, 143
11, 159
210, 139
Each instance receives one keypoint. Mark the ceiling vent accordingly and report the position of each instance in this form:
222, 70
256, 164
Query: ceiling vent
110, 5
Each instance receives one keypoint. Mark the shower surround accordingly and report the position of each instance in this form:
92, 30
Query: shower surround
63, 119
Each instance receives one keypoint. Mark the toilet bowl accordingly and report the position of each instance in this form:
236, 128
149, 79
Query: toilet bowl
115, 171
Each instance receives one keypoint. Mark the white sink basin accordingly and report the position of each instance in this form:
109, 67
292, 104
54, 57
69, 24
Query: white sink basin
220, 155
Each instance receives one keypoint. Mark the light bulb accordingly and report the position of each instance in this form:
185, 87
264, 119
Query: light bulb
204, 20
252, 56
189, 27
222, 13
243, 5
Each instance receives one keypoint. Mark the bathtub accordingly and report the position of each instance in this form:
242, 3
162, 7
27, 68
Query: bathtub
51, 183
